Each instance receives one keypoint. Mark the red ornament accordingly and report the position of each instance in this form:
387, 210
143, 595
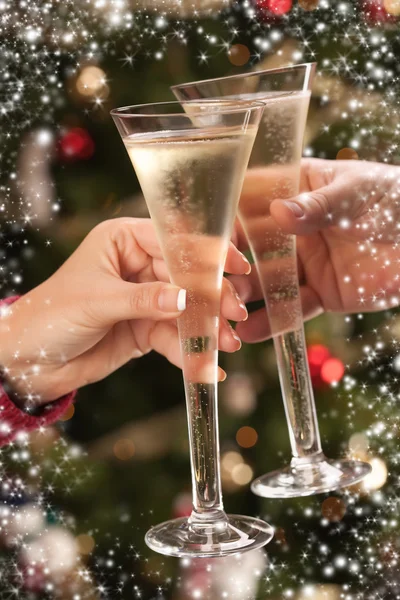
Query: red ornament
273, 8
317, 354
76, 144
280, 7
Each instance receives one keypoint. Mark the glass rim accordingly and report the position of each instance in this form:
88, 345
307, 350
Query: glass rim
236, 106
242, 75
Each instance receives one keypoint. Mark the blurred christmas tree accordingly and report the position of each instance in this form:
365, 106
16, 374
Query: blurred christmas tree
120, 462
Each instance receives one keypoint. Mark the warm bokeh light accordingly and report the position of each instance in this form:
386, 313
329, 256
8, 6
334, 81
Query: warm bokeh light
230, 460
69, 413
378, 476
308, 4
242, 474
246, 437
234, 471
332, 370
333, 509
124, 449
392, 7
239, 394
85, 543
347, 154
238, 55
320, 592
358, 444
91, 81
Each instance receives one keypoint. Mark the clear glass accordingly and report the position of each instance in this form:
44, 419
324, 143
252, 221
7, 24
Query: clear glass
274, 173
190, 159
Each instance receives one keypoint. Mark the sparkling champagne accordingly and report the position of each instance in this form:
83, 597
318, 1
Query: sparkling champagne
279, 145
192, 181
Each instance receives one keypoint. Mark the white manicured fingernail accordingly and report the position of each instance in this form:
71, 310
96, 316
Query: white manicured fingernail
182, 300
172, 299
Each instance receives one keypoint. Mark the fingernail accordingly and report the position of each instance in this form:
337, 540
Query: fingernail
243, 289
222, 374
242, 306
236, 337
294, 208
182, 300
172, 299
248, 265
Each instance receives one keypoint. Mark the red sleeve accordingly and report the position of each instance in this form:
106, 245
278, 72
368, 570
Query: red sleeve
14, 421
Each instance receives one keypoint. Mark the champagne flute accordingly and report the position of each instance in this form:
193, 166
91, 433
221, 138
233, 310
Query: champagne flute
274, 173
191, 170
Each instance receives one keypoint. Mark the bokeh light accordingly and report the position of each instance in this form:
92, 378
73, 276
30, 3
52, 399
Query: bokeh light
333, 509
308, 4
85, 543
91, 81
69, 413
378, 476
242, 474
238, 54
332, 370
347, 154
246, 437
124, 449
392, 7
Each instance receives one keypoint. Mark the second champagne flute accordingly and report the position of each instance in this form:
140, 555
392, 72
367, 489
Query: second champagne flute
274, 173
190, 165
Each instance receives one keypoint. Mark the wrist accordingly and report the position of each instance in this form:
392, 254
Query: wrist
30, 386
30, 383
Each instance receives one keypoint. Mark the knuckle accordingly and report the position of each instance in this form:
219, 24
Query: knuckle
143, 300
100, 229
113, 227
321, 200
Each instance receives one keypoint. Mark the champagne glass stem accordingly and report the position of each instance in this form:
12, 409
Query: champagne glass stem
202, 412
298, 397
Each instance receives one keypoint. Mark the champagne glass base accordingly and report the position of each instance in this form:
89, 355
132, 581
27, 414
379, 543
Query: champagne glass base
181, 538
304, 478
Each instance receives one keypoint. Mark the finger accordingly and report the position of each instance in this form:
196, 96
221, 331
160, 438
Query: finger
310, 212
247, 286
346, 198
239, 238
154, 270
143, 233
133, 243
160, 270
232, 306
229, 341
164, 339
126, 301
258, 328
236, 262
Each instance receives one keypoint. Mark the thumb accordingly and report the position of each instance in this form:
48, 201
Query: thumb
155, 300
334, 204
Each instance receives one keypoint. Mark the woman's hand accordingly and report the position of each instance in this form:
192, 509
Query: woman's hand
347, 222
111, 301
